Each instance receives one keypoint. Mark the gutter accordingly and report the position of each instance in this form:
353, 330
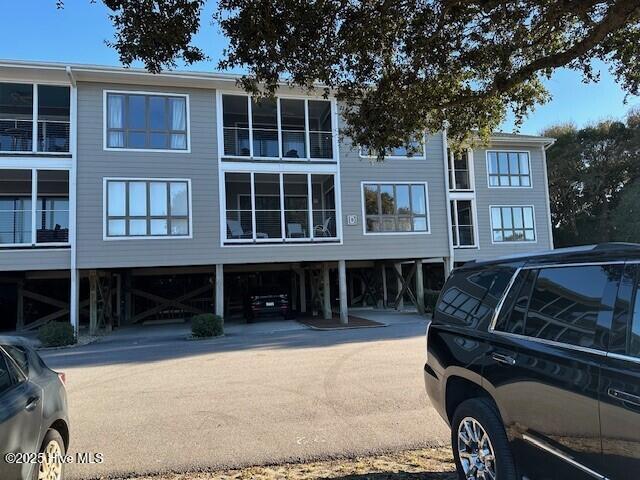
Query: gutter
74, 300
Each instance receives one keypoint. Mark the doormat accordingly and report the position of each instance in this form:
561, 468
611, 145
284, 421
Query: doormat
319, 323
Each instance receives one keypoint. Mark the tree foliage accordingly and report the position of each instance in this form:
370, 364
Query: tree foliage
399, 66
593, 181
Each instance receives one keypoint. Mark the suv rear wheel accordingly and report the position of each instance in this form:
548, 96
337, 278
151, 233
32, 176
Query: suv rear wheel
479, 442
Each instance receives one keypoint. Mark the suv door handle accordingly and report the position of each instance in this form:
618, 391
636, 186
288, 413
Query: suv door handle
31, 403
502, 358
624, 396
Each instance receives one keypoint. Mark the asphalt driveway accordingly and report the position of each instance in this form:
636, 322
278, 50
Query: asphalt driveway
157, 402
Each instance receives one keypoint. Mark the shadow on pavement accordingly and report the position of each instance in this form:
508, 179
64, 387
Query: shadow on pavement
151, 346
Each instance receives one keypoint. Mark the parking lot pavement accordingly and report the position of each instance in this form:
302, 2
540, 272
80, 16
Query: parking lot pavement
161, 403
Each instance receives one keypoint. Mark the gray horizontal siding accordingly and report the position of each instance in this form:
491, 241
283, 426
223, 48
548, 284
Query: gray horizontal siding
202, 168
486, 196
35, 259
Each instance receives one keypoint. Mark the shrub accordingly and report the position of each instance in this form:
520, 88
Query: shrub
56, 334
207, 325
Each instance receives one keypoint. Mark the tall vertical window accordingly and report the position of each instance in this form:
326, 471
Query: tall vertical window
462, 223
395, 208
24, 222
280, 207
513, 224
52, 210
509, 169
459, 174
147, 208
277, 128
149, 122
22, 121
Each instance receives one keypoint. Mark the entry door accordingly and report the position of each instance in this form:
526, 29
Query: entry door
20, 418
544, 367
620, 384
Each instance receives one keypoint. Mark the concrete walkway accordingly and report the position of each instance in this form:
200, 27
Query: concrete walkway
162, 403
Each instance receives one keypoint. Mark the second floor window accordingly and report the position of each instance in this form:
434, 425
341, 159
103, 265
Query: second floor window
395, 208
39, 126
413, 149
513, 224
509, 169
459, 177
147, 208
146, 122
289, 128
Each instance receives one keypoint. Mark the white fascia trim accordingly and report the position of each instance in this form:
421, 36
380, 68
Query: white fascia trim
535, 228
187, 98
546, 195
145, 237
394, 182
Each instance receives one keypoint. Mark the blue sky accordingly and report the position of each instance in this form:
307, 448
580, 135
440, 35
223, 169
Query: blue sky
36, 30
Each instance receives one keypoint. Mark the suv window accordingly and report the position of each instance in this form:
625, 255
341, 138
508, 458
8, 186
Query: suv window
633, 347
19, 355
565, 304
6, 377
514, 309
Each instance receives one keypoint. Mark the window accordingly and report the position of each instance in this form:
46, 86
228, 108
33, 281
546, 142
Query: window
565, 304
278, 207
276, 128
19, 355
514, 308
459, 177
462, 223
509, 169
6, 376
146, 122
413, 149
23, 222
512, 224
395, 208
18, 111
147, 208
633, 341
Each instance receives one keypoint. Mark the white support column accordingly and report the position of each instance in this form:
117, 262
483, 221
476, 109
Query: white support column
219, 303
303, 291
419, 287
342, 282
448, 266
74, 300
326, 292
398, 267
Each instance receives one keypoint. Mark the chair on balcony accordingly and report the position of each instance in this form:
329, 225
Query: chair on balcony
295, 230
323, 230
235, 227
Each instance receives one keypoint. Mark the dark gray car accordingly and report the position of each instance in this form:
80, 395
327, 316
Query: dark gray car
33, 415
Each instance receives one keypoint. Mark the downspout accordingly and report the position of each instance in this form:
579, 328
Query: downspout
74, 301
445, 148
546, 190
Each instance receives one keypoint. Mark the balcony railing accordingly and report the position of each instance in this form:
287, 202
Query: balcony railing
53, 136
17, 136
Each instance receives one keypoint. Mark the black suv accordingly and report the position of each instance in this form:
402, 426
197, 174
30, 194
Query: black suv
535, 364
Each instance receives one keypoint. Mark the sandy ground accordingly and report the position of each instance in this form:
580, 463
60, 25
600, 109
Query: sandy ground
427, 464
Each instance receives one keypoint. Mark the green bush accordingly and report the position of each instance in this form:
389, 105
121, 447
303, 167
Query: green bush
430, 300
56, 334
207, 325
